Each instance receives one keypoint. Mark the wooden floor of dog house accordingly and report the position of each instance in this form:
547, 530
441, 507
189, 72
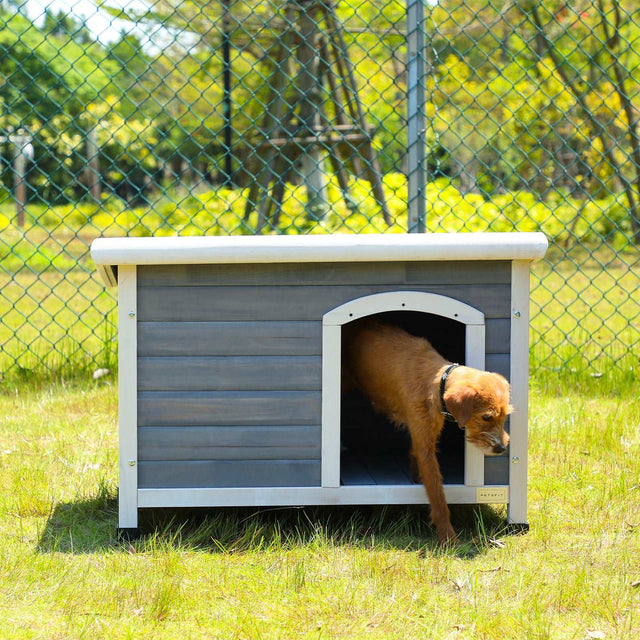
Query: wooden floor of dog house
377, 453
387, 469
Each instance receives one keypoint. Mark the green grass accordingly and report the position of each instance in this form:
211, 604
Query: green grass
584, 318
352, 572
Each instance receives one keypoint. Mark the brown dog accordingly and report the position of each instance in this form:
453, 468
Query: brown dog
401, 375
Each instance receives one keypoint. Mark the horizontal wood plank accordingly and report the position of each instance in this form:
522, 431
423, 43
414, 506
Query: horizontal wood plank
498, 335
458, 272
230, 338
228, 408
230, 373
384, 469
272, 274
216, 473
498, 363
279, 338
328, 273
228, 304
229, 443
353, 472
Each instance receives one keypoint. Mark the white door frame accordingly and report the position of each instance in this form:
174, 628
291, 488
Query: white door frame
332, 323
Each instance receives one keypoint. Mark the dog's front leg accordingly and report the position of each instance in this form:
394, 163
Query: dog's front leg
424, 453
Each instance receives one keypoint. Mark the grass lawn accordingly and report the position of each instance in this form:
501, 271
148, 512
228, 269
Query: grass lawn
352, 573
317, 572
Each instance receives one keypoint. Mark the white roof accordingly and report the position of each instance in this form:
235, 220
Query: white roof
108, 253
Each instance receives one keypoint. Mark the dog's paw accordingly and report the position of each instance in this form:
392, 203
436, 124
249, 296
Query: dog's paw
447, 536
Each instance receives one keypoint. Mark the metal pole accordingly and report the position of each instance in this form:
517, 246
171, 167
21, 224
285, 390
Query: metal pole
416, 118
226, 78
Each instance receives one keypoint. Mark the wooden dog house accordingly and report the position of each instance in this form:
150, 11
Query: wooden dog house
230, 353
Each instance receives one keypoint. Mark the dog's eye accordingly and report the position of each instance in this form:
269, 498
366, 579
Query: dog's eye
487, 417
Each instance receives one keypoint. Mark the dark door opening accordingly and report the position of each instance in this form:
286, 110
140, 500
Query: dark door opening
373, 450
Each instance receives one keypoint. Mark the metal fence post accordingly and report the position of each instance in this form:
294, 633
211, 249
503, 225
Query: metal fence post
416, 96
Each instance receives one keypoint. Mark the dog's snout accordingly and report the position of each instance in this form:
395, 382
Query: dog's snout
499, 448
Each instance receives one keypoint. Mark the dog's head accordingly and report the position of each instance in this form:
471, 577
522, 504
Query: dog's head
479, 401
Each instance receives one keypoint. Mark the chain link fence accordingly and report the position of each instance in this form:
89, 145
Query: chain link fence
143, 117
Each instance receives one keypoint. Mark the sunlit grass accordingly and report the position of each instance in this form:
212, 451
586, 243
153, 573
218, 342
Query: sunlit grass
356, 572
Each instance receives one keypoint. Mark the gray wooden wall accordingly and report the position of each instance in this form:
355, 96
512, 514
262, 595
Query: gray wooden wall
229, 362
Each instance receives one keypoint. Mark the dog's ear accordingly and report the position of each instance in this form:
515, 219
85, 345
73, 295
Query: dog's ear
504, 391
460, 400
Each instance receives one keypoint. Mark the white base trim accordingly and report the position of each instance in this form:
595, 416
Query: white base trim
294, 496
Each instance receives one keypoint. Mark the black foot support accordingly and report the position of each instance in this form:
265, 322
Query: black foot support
128, 534
517, 528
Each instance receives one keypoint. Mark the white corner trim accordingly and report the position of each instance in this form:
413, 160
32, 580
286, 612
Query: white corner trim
474, 357
128, 398
518, 421
331, 383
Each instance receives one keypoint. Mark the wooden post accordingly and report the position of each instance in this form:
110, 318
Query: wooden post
337, 162
372, 171
20, 188
22, 151
271, 127
92, 171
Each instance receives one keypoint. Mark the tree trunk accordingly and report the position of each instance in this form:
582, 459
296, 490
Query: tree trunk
310, 90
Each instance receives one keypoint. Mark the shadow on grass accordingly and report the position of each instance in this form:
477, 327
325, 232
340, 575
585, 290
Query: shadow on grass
83, 526
242, 530
90, 526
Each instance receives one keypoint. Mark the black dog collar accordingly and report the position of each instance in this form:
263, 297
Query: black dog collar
443, 383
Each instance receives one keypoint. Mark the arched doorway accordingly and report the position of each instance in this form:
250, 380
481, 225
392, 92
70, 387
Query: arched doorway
456, 330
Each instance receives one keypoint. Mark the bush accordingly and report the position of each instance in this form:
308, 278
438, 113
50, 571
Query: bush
564, 220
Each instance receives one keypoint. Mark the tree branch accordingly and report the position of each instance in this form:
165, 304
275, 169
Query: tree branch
612, 42
608, 142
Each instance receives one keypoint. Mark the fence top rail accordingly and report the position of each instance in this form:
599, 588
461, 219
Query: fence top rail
108, 253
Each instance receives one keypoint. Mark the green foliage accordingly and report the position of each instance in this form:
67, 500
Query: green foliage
49, 80
563, 219
47, 74
500, 118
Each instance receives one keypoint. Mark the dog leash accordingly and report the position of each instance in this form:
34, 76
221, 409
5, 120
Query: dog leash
443, 383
